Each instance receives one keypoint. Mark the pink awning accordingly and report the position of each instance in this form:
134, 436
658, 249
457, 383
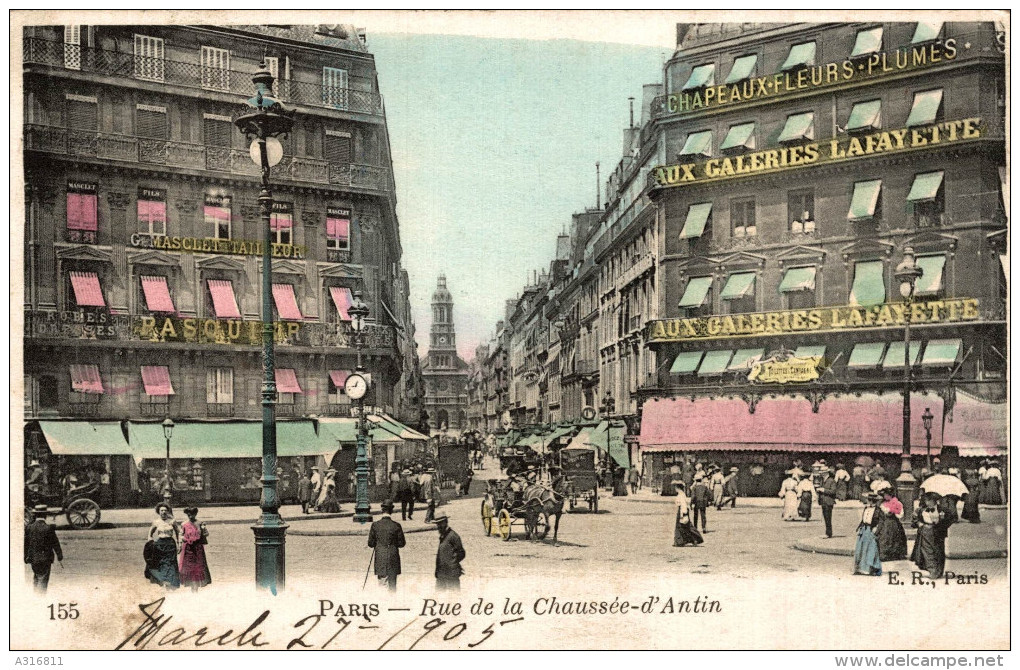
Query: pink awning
212, 212
151, 210
281, 221
87, 292
339, 377
338, 229
86, 379
977, 428
224, 304
286, 303
81, 212
157, 294
870, 423
342, 299
156, 380
286, 381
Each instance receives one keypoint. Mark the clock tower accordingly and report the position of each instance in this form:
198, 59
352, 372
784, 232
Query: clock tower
442, 338
443, 371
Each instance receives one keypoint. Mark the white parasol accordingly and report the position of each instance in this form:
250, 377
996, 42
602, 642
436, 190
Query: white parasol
944, 485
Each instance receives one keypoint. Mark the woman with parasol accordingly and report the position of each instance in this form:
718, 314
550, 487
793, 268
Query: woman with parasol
930, 546
866, 558
684, 532
889, 533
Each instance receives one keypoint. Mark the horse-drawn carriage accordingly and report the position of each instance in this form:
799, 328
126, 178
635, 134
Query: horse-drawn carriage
514, 500
78, 504
578, 467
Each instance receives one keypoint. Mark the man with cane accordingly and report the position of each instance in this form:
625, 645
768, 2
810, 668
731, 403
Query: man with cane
386, 537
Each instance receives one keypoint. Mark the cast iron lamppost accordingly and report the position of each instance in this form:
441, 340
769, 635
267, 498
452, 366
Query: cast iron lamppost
267, 121
927, 419
907, 273
168, 430
362, 512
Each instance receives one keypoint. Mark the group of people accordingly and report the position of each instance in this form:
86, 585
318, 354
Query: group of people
318, 492
407, 488
168, 539
386, 539
722, 484
708, 487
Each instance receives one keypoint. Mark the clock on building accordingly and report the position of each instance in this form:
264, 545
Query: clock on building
355, 386
442, 340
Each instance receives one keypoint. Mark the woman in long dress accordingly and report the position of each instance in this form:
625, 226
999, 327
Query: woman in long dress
806, 491
929, 553
165, 533
684, 532
788, 492
194, 568
842, 482
857, 483
328, 500
971, 511
866, 557
889, 533
991, 485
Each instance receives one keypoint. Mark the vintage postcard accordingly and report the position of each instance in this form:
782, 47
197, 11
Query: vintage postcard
510, 330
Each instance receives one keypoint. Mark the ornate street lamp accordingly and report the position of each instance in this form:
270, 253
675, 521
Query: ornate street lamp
263, 126
168, 431
907, 273
927, 419
358, 311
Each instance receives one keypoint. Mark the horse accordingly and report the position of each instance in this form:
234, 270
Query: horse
539, 499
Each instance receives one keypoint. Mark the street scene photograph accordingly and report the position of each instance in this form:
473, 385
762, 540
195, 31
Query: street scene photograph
510, 330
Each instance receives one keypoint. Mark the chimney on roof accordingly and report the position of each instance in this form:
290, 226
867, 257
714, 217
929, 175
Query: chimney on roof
598, 187
631, 99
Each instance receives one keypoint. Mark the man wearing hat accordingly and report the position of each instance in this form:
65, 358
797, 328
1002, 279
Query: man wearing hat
304, 492
448, 556
405, 494
701, 498
316, 486
718, 482
827, 497
386, 536
730, 492
41, 545
428, 492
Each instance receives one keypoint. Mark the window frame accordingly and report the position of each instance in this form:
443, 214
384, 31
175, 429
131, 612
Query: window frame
149, 67
741, 204
802, 195
215, 77
219, 374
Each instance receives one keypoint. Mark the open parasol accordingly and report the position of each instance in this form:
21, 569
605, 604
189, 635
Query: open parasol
864, 461
944, 485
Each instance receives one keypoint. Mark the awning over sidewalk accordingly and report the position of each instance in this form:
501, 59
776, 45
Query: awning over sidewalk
869, 424
388, 423
610, 434
977, 428
85, 438
223, 439
583, 439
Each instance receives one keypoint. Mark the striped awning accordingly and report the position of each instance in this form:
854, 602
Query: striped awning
156, 380
286, 381
286, 303
339, 377
696, 292
798, 279
699, 143
342, 299
738, 285
86, 379
87, 292
157, 294
224, 303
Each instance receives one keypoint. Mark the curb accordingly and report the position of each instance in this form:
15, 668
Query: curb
221, 522
349, 533
809, 547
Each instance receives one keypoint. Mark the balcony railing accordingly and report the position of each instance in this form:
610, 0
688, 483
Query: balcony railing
83, 409
155, 409
214, 409
337, 409
133, 149
195, 76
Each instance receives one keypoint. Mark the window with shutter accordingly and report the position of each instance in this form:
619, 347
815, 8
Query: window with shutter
82, 113
218, 130
219, 386
334, 87
151, 122
149, 57
338, 147
72, 47
215, 68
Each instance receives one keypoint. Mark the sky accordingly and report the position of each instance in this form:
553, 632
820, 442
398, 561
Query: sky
494, 144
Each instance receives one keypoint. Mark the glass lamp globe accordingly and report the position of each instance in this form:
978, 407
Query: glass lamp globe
274, 152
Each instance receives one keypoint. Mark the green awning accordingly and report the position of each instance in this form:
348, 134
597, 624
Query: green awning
559, 432
703, 75
697, 219
696, 292
224, 439
930, 282
801, 55
715, 362
865, 200
926, 31
926, 107
866, 355
894, 355
868, 42
925, 187
808, 350
87, 438
743, 357
798, 127
699, 143
742, 69
583, 439
739, 285
686, 362
865, 116
335, 431
394, 427
869, 284
942, 352
617, 447
740, 136
798, 279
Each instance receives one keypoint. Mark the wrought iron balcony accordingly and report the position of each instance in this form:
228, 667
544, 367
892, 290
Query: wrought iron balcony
215, 409
192, 75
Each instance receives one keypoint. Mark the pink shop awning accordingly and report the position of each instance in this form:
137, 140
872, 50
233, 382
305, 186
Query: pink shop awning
157, 294
870, 423
286, 381
86, 379
339, 377
224, 303
87, 292
342, 299
338, 229
286, 303
977, 428
156, 380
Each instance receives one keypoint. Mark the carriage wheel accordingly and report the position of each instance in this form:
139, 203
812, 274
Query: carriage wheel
487, 516
541, 528
504, 524
83, 514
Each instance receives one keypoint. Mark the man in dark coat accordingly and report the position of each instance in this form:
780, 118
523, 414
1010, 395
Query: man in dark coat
701, 498
827, 498
41, 545
405, 494
448, 556
386, 536
304, 492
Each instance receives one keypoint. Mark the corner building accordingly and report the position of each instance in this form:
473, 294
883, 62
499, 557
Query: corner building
802, 160
143, 248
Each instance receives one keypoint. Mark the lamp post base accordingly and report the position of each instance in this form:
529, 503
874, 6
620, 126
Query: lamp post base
270, 554
906, 491
362, 516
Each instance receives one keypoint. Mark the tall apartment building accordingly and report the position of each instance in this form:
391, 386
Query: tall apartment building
143, 249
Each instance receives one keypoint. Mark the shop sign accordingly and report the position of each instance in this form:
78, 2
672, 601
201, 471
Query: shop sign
813, 78
792, 369
205, 245
836, 150
76, 324
818, 320
209, 331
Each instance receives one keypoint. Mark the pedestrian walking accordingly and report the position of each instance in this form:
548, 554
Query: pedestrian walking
718, 483
304, 492
194, 568
929, 551
842, 478
161, 554
316, 487
405, 494
684, 532
730, 491
805, 491
889, 533
858, 482
701, 498
448, 556
386, 536
971, 511
991, 485
428, 492
41, 546
827, 498
866, 560
634, 477
789, 495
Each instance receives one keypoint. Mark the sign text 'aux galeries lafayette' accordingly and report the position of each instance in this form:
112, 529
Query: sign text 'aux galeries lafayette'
807, 154
818, 320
